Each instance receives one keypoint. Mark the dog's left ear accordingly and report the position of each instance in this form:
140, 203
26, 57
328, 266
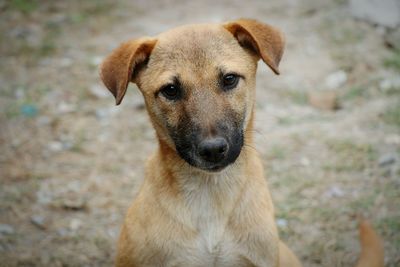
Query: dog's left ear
121, 65
265, 40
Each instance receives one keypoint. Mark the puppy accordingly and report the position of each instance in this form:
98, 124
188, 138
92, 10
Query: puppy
204, 200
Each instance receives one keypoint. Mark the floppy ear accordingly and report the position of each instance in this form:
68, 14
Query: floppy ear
265, 40
120, 66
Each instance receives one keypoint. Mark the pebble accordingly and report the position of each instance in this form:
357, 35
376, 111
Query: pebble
19, 93
99, 91
55, 146
389, 83
392, 139
392, 38
6, 229
44, 197
336, 79
386, 160
39, 221
334, 191
65, 62
305, 162
62, 232
20, 32
112, 233
102, 113
282, 222
44, 120
96, 61
326, 100
105, 113
64, 108
74, 204
75, 224
58, 18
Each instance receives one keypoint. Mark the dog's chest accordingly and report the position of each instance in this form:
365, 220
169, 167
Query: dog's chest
214, 244
211, 247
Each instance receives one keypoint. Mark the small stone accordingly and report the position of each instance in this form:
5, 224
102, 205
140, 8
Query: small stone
62, 232
113, 233
96, 61
102, 113
385, 85
74, 204
336, 79
99, 91
20, 32
305, 162
43, 197
326, 100
386, 160
334, 191
106, 112
389, 83
20, 93
140, 106
58, 18
282, 222
65, 62
392, 38
392, 139
64, 108
39, 221
75, 224
6, 229
43, 120
55, 146
381, 30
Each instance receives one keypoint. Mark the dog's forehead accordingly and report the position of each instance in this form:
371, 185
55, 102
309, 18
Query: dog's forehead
199, 45
200, 35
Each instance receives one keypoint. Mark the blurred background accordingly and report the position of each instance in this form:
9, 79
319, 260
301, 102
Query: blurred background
328, 128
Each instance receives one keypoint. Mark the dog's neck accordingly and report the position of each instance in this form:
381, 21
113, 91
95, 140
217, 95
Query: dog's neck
202, 196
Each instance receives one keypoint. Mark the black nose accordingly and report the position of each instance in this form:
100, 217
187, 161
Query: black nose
213, 150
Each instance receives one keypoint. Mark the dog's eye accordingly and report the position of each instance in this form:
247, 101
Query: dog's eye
171, 91
230, 81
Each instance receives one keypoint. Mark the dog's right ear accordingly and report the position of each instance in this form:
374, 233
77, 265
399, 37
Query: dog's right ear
118, 69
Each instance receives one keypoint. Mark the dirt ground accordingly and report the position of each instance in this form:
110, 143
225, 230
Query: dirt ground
71, 162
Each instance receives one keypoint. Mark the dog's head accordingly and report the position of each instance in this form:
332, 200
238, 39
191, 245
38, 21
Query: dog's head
198, 83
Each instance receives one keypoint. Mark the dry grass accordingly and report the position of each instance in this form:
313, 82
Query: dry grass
76, 161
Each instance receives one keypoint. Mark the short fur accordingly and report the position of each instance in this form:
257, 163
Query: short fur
189, 212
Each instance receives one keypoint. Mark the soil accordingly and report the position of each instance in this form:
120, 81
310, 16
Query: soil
71, 161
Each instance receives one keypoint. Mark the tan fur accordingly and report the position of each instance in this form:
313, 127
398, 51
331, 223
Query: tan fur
372, 254
184, 216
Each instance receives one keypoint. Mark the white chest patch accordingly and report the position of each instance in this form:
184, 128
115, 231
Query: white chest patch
213, 246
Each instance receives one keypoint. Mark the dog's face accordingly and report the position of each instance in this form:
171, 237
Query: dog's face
198, 84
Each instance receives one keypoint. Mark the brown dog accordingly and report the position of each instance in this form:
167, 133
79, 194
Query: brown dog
204, 201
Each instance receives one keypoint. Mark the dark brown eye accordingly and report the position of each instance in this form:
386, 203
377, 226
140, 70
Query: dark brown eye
171, 91
230, 81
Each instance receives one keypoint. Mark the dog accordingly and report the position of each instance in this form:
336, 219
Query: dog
204, 200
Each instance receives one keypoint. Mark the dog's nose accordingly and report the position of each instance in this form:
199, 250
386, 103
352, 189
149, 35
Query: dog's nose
213, 150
